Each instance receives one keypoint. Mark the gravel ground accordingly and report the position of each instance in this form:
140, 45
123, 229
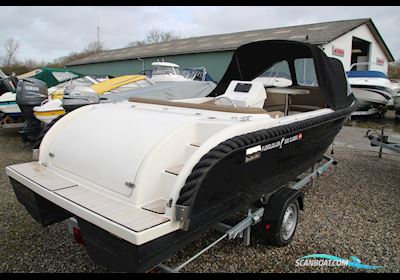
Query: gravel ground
351, 211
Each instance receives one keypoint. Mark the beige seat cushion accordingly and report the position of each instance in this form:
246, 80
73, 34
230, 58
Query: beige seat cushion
205, 106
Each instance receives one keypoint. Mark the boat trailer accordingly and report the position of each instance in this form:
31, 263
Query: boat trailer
12, 125
368, 112
381, 140
241, 229
6, 122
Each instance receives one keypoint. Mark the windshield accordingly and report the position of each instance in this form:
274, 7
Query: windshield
196, 74
277, 75
165, 70
64, 76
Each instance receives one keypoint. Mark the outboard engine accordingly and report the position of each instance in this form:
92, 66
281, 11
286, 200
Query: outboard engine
30, 92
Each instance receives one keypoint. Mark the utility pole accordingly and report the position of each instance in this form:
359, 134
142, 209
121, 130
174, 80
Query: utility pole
98, 33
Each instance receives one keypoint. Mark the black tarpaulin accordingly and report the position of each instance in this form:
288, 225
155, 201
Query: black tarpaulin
251, 60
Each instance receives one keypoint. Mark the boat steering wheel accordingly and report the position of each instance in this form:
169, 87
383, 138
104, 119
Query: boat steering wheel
227, 98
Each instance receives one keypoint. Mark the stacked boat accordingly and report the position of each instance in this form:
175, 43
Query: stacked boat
373, 91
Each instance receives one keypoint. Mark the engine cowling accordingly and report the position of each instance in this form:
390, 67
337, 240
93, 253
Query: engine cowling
30, 92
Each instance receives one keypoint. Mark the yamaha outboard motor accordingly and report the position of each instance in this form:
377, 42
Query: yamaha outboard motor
31, 92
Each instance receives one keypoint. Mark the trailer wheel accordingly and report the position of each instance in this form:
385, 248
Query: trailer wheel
288, 224
280, 219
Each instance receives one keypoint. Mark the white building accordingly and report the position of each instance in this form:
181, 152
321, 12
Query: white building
363, 44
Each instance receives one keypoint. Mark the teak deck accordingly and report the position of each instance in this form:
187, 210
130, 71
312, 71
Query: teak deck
122, 213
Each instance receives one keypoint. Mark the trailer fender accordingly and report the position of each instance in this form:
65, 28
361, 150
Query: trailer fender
275, 209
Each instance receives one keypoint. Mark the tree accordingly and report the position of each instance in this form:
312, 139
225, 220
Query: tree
91, 48
394, 70
155, 36
11, 47
94, 47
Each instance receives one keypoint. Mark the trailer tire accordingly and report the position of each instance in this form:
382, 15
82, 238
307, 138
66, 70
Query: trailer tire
281, 216
287, 226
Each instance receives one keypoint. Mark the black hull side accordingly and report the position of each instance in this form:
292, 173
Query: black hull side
42, 210
230, 184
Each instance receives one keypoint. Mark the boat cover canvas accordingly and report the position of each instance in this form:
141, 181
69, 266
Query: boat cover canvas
114, 83
251, 60
166, 91
366, 74
55, 76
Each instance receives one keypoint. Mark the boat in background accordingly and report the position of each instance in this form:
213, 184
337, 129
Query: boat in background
10, 113
79, 94
373, 91
169, 72
166, 72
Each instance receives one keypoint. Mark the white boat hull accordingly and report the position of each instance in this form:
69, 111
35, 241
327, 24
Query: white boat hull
369, 99
49, 111
8, 105
9, 108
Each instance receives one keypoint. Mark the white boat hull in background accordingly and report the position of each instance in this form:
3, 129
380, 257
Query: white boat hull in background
367, 98
49, 111
8, 103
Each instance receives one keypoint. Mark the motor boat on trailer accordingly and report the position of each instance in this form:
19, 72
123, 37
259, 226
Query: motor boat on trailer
373, 91
165, 172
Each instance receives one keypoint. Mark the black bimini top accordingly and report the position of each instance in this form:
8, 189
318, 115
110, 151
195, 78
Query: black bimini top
251, 60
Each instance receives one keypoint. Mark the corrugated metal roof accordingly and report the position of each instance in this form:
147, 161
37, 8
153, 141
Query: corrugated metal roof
317, 33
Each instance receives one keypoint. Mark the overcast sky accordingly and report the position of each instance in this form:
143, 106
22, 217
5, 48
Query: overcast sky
45, 33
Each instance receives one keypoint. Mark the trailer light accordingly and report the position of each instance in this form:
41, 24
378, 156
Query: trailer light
78, 236
267, 227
